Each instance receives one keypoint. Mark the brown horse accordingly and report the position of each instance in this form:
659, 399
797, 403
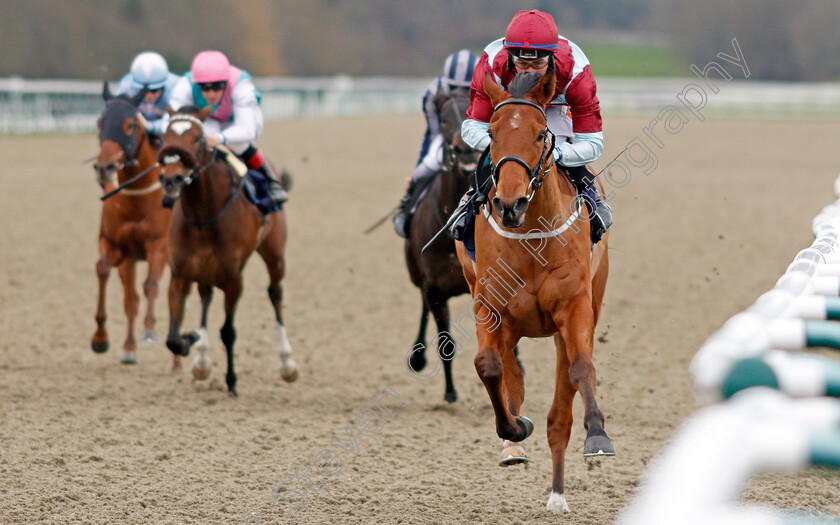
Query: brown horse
213, 232
134, 224
436, 272
535, 276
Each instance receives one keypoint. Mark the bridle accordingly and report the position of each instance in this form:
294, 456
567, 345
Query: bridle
130, 145
536, 174
202, 150
186, 180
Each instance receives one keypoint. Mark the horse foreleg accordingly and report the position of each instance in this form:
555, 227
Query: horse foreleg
576, 325
446, 345
275, 263
232, 293
157, 263
202, 362
417, 360
559, 427
99, 341
179, 288
130, 303
492, 366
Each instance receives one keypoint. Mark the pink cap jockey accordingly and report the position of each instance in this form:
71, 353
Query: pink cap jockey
210, 66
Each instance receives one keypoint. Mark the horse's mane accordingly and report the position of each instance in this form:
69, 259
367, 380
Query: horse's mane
524, 83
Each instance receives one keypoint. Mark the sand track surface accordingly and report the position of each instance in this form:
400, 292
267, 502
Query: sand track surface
84, 439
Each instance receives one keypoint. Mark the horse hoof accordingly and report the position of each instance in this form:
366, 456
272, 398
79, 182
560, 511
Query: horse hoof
100, 347
200, 374
417, 361
598, 446
557, 503
128, 358
450, 397
289, 375
526, 427
512, 454
149, 337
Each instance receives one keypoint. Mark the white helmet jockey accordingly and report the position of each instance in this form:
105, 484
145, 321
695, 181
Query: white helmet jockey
458, 68
149, 70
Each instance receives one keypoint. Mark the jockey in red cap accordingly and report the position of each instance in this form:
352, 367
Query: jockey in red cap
532, 44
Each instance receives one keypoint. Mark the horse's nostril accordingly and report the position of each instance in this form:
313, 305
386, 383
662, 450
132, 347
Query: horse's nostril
520, 205
498, 206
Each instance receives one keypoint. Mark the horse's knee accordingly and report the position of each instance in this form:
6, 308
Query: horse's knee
581, 371
275, 293
150, 286
489, 366
228, 334
102, 268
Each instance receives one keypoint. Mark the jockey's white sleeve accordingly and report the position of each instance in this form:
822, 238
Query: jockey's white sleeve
476, 134
245, 127
181, 95
586, 148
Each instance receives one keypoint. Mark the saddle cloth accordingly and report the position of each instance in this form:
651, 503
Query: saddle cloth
254, 182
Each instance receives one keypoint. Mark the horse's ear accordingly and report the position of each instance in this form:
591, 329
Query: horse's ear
204, 114
544, 92
493, 90
170, 110
138, 97
106, 92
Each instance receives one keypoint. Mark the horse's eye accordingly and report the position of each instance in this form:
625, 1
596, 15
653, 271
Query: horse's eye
541, 136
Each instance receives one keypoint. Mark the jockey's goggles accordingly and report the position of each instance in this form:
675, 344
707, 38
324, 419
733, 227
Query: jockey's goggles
212, 86
155, 90
530, 63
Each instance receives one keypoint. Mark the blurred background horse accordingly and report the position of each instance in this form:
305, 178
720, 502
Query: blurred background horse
437, 272
134, 224
214, 230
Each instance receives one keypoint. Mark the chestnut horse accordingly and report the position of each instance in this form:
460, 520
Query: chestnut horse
535, 276
436, 272
134, 224
213, 232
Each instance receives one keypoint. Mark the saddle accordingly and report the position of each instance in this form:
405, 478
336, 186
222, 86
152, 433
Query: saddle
254, 182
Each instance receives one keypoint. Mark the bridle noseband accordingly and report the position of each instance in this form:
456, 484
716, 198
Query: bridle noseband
202, 149
534, 173
174, 158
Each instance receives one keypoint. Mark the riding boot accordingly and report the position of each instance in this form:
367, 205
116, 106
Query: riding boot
255, 161
420, 180
400, 220
472, 201
600, 213
274, 187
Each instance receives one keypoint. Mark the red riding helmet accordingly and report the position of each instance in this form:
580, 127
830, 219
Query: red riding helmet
531, 34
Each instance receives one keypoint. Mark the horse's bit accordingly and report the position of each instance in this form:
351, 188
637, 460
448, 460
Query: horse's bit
534, 176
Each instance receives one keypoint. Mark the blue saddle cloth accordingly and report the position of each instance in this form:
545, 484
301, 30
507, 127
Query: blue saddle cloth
256, 191
469, 234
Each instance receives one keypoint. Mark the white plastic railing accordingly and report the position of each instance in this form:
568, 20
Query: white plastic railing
71, 106
762, 427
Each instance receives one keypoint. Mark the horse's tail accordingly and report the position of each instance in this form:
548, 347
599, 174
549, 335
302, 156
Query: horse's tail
286, 179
